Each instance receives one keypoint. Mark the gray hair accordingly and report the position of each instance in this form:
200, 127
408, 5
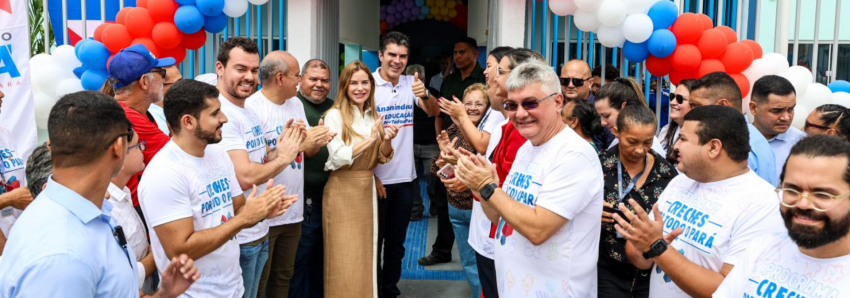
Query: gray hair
270, 67
534, 72
314, 63
129, 87
39, 168
411, 69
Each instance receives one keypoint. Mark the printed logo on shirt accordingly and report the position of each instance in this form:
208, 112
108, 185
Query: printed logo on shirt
10, 161
216, 194
783, 282
397, 114
664, 274
225, 218
517, 187
257, 140
693, 214
298, 162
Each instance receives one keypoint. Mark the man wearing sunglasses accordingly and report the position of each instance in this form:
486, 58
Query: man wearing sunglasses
551, 199
576, 80
139, 77
772, 106
809, 259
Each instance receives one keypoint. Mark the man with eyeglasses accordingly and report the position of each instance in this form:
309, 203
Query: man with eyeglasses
68, 243
172, 75
772, 106
548, 209
139, 79
704, 220
810, 258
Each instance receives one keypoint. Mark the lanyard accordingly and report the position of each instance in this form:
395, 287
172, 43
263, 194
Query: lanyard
621, 194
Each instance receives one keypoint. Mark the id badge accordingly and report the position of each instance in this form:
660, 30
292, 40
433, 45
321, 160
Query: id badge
6, 212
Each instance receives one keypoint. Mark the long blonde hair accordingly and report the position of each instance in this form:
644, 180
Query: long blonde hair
344, 104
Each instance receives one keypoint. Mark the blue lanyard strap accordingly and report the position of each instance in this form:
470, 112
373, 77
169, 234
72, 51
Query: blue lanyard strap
621, 194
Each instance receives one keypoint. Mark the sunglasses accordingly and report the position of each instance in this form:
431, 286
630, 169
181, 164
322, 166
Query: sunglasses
809, 124
160, 71
578, 82
678, 97
527, 105
141, 145
128, 134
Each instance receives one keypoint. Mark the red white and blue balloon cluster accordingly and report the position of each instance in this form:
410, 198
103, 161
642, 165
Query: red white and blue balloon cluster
688, 45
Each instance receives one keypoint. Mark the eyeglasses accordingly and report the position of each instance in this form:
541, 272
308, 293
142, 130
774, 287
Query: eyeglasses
818, 126
141, 145
578, 82
128, 134
160, 71
678, 97
500, 71
819, 201
527, 105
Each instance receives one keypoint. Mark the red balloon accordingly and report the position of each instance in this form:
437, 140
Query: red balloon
162, 10
178, 53
119, 18
139, 22
676, 76
687, 28
166, 35
707, 23
116, 37
99, 30
757, 51
142, 3
737, 58
195, 40
712, 44
149, 44
658, 66
686, 58
384, 26
710, 65
743, 83
731, 36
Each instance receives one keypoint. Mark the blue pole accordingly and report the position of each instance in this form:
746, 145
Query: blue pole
544, 43
687, 7
569, 40
191, 55
646, 79
202, 59
281, 7
555, 44
579, 44
248, 22
711, 13
624, 72
226, 30
734, 25
260, 30
236, 31
533, 22
614, 56
591, 52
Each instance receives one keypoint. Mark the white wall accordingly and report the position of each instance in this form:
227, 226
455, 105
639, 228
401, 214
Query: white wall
358, 23
477, 22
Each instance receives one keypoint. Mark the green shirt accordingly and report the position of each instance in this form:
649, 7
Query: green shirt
454, 85
315, 175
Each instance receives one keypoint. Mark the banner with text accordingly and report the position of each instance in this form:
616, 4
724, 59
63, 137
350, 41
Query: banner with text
17, 111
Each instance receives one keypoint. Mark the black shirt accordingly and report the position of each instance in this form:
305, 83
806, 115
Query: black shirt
454, 85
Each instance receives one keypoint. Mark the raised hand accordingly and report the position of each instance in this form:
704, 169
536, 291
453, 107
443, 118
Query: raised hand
418, 87
638, 228
283, 205
378, 129
391, 131
453, 108
289, 142
178, 276
474, 171
258, 207
443, 141
317, 136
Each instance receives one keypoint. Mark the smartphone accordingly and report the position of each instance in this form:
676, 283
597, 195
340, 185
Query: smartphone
447, 172
615, 211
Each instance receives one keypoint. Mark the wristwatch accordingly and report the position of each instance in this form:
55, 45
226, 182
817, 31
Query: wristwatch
427, 94
656, 249
488, 191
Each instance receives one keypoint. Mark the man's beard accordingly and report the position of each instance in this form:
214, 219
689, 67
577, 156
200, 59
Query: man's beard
234, 90
155, 95
308, 96
808, 237
209, 136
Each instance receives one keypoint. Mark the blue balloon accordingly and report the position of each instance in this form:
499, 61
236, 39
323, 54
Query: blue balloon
661, 43
185, 2
425, 10
209, 7
78, 72
420, 2
216, 23
663, 14
839, 86
635, 52
93, 79
93, 54
188, 19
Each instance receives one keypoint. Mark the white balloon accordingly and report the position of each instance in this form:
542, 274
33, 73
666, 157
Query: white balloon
257, 2
759, 68
586, 20
40, 60
64, 57
562, 7
802, 73
43, 103
639, 6
800, 84
235, 8
817, 94
588, 5
611, 12
778, 62
637, 27
841, 98
801, 111
47, 77
41, 123
68, 86
611, 36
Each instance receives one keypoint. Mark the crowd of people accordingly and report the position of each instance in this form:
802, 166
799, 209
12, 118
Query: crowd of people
256, 184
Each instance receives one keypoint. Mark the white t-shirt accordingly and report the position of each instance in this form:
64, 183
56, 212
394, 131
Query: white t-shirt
12, 165
243, 131
177, 185
396, 103
563, 176
274, 118
719, 220
493, 126
479, 224
773, 266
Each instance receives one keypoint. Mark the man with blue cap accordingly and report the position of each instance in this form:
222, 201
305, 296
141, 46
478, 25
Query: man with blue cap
137, 77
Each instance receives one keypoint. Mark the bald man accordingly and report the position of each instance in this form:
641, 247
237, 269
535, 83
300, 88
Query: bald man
576, 80
275, 105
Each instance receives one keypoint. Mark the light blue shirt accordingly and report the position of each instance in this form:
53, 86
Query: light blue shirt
159, 116
782, 144
62, 246
761, 158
